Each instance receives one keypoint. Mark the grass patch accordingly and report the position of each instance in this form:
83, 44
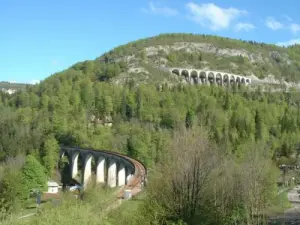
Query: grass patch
125, 214
279, 204
71, 211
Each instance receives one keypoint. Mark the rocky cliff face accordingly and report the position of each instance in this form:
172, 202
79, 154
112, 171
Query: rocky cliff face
191, 47
241, 61
147, 60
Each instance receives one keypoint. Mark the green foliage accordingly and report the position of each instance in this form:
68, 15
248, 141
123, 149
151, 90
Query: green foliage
76, 112
71, 211
266, 59
189, 119
255, 58
10, 188
74, 107
50, 154
32, 176
258, 126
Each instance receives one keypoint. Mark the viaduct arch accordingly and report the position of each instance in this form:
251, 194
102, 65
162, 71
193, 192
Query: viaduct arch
111, 168
194, 76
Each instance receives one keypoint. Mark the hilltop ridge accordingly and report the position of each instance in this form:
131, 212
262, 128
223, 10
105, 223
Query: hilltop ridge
144, 60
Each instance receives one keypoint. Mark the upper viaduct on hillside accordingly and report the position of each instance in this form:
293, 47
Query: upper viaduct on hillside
112, 168
195, 76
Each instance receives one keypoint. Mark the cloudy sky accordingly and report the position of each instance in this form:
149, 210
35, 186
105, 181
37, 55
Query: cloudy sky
41, 37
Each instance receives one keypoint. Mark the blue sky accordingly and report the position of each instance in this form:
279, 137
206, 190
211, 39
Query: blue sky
41, 37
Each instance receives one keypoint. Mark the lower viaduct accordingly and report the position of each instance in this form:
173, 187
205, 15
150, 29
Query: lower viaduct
112, 168
195, 76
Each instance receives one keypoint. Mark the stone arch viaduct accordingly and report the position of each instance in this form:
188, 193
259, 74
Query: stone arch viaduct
112, 168
194, 76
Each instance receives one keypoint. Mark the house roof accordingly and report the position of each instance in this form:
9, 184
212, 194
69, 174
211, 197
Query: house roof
52, 184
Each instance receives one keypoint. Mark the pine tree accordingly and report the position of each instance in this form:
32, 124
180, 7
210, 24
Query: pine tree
226, 105
139, 104
124, 105
50, 154
258, 126
33, 176
189, 118
130, 148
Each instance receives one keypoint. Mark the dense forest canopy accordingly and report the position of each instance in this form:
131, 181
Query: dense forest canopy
74, 107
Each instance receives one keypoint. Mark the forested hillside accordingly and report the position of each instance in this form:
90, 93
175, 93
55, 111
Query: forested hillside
75, 110
142, 60
244, 134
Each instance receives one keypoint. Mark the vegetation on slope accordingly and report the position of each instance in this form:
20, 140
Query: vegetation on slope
75, 108
138, 59
71, 111
19, 176
200, 185
70, 211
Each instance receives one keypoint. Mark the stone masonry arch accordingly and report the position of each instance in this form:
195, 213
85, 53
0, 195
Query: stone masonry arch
110, 168
219, 79
238, 80
203, 77
185, 75
226, 80
232, 80
194, 77
211, 78
176, 71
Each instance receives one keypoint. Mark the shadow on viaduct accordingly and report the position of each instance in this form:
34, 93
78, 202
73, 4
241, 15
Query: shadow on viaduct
111, 168
194, 76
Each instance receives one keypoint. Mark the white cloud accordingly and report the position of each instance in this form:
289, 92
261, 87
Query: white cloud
295, 28
162, 10
244, 26
276, 25
290, 42
273, 24
212, 16
288, 18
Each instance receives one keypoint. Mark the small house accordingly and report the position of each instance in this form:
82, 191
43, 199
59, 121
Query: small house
52, 187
